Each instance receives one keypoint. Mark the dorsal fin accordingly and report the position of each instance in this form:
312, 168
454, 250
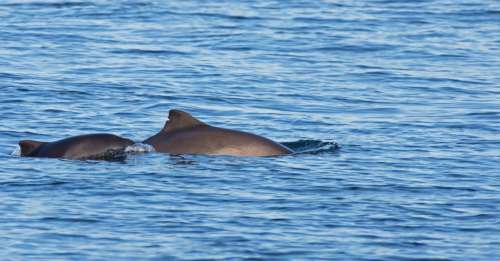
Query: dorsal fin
178, 119
29, 146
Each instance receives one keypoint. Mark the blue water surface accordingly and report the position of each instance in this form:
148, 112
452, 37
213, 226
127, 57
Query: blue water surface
409, 90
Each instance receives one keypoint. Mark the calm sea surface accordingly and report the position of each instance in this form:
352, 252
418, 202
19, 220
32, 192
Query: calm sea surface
393, 107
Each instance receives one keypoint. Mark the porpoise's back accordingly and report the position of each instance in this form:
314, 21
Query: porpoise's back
81, 147
211, 140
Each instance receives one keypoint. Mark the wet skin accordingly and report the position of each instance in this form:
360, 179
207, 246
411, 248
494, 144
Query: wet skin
90, 146
184, 134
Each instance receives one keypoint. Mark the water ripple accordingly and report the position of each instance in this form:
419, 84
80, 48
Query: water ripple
392, 107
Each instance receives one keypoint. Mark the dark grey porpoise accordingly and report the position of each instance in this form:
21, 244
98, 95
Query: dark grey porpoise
184, 134
91, 146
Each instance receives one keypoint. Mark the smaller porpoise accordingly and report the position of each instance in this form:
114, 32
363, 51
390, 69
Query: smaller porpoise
83, 147
184, 134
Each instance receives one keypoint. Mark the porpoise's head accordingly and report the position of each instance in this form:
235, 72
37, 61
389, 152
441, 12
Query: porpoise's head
30, 147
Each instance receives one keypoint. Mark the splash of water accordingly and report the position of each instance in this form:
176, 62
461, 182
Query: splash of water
138, 148
16, 151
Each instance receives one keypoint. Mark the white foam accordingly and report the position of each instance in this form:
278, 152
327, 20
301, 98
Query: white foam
16, 152
139, 148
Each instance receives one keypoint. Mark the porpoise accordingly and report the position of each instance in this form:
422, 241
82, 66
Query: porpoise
184, 134
90, 146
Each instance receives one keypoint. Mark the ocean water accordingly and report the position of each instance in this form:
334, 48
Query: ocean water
393, 107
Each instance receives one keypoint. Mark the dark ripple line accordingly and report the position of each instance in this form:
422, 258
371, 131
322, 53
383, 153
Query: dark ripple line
356, 48
49, 4
59, 235
482, 127
30, 184
486, 113
47, 35
149, 52
71, 220
322, 20
217, 15
10, 76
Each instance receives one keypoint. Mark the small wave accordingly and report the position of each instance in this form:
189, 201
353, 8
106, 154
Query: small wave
312, 146
220, 16
68, 220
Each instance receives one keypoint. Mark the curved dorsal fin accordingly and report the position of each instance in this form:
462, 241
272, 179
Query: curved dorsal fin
178, 119
29, 146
